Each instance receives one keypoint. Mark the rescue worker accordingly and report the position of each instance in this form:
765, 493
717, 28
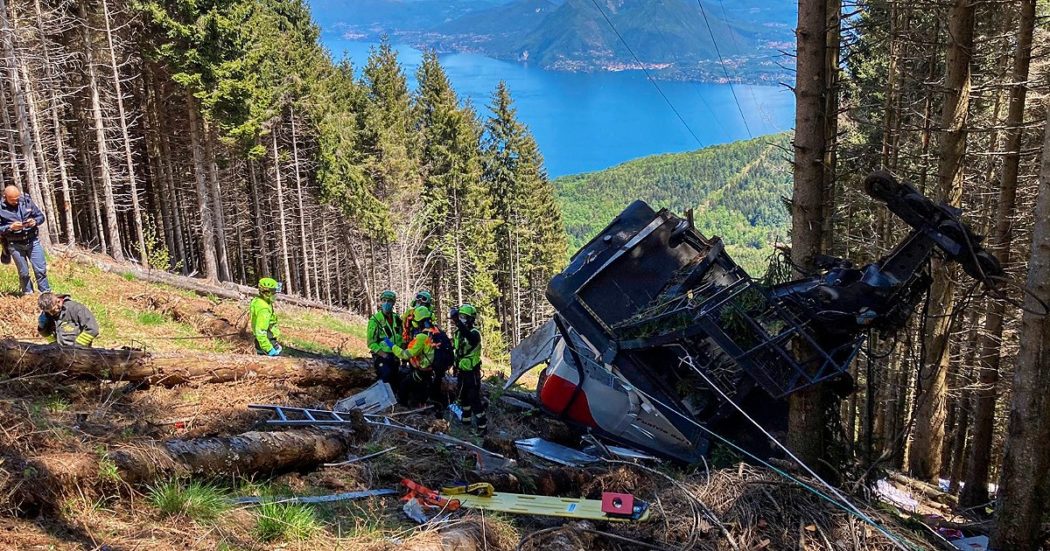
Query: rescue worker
383, 325
264, 319
423, 298
420, 353
467, 346
65, 321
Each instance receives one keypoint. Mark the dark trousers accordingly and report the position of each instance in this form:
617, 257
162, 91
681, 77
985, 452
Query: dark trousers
470, 397
387, 369
418, 387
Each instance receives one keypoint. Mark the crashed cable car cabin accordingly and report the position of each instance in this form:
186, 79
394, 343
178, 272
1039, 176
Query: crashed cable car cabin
651, 316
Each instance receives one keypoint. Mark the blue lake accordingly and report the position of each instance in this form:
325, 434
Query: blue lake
590, 121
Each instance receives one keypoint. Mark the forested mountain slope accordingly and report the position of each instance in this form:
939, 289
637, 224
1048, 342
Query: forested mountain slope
219, 139
736, 190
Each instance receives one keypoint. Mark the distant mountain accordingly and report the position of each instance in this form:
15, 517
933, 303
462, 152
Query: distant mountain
370, 18
660, 32
669, 37
502, 20
736, 190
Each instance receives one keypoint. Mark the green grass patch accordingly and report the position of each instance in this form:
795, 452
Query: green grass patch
151, 318
310, 346
107, 470
127, 276
285, 521
200, 502
56, 404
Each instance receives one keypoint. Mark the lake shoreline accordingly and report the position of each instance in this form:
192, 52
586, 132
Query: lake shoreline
709, 71
584, 122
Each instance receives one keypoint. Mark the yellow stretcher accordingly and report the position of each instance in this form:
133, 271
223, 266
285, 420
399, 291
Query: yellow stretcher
612, 507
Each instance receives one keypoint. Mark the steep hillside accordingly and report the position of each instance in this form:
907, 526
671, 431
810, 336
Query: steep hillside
735, 189
665, 31
502, 20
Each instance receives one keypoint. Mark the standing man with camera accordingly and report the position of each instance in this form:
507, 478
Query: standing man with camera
20, 222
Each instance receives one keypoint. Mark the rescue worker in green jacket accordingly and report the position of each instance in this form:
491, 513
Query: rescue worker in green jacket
264, 319
65, 321
423, 298
420, 353
466, 344
385, 325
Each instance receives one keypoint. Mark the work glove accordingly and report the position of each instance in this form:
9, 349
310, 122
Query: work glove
275, 351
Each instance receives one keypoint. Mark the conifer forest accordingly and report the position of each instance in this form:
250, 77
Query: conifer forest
218, 139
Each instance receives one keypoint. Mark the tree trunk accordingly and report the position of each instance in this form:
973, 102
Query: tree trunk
136, 212
924, 458
286, 272
216, 200
307, 288
172, 369
41, 194
807, 419
260, 237
59, 131
105, 172
1022, 498
975, 491
21, 104
12, 152
203, 199
250, 453
245, 454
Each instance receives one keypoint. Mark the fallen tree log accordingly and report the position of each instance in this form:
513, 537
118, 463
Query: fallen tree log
49, 478
169, 369
199, 313
245, 454
203, 287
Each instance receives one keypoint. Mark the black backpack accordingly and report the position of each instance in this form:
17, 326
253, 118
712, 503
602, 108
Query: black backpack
444, 356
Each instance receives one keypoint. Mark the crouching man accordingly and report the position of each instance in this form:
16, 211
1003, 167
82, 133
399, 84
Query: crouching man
65, 321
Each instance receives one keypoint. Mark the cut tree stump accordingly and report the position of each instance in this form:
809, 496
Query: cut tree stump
171, 369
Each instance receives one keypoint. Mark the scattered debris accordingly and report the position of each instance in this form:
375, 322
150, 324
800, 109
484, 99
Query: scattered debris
487, 461
554, 452
414, 510
252, 500
374, 399
353, 460
976, 543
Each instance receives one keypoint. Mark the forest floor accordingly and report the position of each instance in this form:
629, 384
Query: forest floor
737, 506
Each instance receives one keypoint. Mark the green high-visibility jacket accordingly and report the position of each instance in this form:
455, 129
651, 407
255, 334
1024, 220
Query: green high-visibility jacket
380, 327
419, 352
467, 345
264, 324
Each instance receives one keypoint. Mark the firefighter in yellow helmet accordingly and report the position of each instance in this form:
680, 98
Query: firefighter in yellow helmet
264, 319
